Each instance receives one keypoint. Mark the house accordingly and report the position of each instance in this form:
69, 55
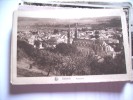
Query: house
99, 47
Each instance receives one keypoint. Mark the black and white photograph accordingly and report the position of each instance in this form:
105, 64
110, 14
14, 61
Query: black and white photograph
55, 46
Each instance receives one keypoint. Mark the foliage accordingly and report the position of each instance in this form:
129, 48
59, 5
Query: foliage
20, 54
55, 63
25, 47
66, 60
97, 34
66, 49
109, 66
52, 40
55, 31
37, 43
116, 22
48, 60
26, 73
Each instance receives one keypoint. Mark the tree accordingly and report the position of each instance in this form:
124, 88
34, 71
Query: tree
66, 49
37, 43
27, 48
109, 66
20, 53
52, 41
115, 22
68, 66
49, 61
96, 34
55, 31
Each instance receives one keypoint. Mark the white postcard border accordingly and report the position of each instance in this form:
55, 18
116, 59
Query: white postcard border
67, 79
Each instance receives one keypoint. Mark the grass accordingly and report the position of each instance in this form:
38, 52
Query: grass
26, 73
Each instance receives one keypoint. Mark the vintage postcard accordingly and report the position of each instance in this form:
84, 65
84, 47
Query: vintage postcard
56, 46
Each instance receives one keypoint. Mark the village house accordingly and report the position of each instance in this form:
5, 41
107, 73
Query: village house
99, 47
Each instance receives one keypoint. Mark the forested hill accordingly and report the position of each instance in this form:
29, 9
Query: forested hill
113, 21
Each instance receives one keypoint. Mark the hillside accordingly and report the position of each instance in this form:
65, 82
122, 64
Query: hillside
34, 23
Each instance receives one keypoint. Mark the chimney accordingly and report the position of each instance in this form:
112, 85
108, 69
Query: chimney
68, 35
76, 31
